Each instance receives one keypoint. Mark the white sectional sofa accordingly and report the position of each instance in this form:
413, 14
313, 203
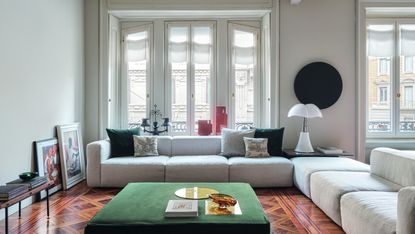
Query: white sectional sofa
362, 199
184, 159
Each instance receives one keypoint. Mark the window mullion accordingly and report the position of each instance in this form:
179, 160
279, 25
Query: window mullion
189, 81
396, 83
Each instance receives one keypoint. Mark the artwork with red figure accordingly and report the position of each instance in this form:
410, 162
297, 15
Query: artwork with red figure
51, 163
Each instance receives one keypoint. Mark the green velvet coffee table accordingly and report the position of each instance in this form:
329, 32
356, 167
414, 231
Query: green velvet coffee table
139, 208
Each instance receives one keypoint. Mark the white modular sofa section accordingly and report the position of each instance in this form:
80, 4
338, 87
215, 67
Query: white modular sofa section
304, 167
383, 212
184, 159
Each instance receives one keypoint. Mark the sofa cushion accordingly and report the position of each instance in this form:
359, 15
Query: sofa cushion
406, 211
305, 166
192, 145
121, 140
197, 168
256, 147
327, 187
274, 136
118, 172
233, 141
369, 212
145, 146
164, 145
394, 165
261, 172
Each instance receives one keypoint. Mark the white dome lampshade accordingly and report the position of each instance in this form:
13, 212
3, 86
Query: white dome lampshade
307, 111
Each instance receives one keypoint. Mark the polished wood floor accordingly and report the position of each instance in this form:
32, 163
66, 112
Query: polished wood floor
288, 210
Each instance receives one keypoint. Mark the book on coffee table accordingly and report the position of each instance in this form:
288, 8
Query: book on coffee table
182, 208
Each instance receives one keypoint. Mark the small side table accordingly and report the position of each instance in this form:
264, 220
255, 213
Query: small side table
290, 153
20, 198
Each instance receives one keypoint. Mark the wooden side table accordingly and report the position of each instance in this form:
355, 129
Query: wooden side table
290, 153
20, 198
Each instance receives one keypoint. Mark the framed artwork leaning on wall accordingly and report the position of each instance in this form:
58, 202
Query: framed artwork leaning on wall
71, 154
48, 163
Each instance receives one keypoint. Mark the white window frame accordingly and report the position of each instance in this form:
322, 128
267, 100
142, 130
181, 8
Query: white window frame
124, 74
395, 92
257, 63
190, 122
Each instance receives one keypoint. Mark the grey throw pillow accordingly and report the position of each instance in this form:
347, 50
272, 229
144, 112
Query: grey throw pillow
233, 141
145, 146
256, 147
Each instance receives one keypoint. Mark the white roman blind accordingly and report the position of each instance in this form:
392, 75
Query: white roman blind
244, 47
202, 44
178, 43
407, 40
380, 40
137, 44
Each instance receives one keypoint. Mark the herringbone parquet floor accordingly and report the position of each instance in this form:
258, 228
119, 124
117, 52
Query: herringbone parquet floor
288, 210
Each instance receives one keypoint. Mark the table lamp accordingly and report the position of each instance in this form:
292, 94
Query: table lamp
307, 111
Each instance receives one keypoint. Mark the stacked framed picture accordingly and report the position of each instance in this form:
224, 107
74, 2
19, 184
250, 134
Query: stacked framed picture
48, 163
71, 154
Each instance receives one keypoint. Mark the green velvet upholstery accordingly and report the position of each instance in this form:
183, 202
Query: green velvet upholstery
139, 208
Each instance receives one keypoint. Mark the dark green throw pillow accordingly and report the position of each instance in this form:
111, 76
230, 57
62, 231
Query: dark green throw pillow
274, 136
122, 142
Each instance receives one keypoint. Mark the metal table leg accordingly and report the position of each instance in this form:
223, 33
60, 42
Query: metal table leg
6, 210
20, 210
47, 201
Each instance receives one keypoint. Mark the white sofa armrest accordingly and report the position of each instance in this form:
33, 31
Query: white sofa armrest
96, 153
406, 211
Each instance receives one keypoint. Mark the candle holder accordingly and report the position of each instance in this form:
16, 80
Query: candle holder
155, 114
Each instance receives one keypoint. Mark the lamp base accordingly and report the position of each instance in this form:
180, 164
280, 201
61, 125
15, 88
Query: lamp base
304, 144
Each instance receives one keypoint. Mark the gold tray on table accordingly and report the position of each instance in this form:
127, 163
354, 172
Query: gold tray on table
195, 193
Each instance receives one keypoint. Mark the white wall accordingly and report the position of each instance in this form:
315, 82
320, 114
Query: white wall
41, 76
319, 30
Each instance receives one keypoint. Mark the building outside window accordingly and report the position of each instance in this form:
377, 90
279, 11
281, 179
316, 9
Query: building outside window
390, 51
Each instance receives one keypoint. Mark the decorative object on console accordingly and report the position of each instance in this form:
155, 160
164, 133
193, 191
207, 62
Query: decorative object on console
48, 163
145, 146
204, 127
154, 115
274, 136
256, 147
307, 111
318, 83
28, 175
232, 143
71, 154
121, 140
221, 119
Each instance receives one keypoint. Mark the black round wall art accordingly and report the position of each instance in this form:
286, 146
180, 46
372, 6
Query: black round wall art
318, 83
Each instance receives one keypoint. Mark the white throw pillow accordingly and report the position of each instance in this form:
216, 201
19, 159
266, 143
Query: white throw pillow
256, 147
145, 146
233, 141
